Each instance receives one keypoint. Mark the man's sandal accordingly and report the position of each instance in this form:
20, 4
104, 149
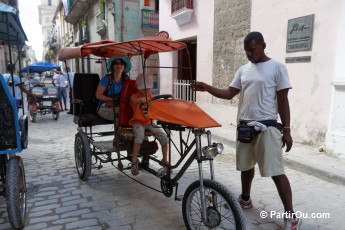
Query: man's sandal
135, 168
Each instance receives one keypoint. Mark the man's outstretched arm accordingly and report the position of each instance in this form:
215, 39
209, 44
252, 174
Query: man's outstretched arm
228, 93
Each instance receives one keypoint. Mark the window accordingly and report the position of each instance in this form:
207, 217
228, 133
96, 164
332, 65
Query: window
49, 2
178, 5
47, 20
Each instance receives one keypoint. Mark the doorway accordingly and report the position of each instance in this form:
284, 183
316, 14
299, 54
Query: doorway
186, 72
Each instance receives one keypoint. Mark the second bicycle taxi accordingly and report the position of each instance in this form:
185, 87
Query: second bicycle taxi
47, 98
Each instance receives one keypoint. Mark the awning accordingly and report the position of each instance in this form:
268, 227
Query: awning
39, 67
11, 30
143, 46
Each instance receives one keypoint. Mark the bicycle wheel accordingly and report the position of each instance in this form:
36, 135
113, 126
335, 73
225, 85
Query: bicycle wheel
16, 192
222, 209
82, 153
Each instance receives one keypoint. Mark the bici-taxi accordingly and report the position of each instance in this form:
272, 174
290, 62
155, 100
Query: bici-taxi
206, 203
47, 98
14, 129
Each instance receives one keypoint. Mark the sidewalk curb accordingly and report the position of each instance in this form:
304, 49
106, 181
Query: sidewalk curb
329, 174
322, 174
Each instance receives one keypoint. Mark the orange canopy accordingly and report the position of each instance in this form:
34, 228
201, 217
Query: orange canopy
180, 112
145, 46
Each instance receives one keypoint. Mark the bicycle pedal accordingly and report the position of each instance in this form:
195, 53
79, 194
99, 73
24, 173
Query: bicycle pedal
179, 198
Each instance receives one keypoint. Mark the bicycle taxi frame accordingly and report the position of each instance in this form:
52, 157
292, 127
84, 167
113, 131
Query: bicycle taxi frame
14, 129
206, 203
47, 98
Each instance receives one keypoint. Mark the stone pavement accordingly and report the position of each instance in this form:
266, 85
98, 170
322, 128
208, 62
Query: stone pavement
58, 199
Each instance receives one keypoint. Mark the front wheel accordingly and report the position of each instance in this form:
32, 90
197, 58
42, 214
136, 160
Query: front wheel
82, 152
16, 192
222, 208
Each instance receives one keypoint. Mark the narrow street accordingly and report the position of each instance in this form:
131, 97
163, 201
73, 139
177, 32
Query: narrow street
58, 199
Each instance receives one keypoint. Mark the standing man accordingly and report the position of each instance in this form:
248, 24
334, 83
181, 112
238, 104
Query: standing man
10, 70
263, 84
69, 76
60, 82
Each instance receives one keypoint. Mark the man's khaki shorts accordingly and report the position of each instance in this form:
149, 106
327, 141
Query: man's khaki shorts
266, 150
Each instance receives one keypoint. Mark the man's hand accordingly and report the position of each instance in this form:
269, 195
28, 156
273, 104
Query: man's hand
287, 140
198, 86
34, 96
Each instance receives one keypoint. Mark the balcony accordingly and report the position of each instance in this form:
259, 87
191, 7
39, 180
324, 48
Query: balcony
181, 11
149, 19
77, 10
101, 24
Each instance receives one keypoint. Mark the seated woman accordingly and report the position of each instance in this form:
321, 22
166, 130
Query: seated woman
110, 86
140, 122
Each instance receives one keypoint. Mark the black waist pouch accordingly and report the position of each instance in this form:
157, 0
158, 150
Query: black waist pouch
245, 133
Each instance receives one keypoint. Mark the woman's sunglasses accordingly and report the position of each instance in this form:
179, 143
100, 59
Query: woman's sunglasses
119, 63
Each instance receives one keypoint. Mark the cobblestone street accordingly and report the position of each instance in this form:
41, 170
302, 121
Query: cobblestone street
58, 199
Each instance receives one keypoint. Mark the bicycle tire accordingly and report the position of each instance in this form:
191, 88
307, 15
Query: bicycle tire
16, 192
216, 197
82, 153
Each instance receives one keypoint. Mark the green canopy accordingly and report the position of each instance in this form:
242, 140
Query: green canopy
11, 30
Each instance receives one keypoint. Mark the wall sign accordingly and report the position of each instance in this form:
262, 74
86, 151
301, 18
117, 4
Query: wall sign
300, 34
298, 59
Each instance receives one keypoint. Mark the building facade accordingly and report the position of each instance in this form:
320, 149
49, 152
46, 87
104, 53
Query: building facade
46, 11
83, 21
214, 31
301, 37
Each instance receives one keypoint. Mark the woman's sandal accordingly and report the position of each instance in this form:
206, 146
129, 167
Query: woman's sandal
135, 168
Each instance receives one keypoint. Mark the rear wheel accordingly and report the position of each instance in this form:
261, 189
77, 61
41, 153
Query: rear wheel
82, 154
16, 192
222, 209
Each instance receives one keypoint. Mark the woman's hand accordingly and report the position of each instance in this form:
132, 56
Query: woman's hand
109, 104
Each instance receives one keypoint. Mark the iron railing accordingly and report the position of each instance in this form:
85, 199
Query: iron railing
178, 5
149, 19
183, 91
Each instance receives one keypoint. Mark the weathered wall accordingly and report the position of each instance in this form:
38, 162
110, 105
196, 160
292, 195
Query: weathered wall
231, 24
